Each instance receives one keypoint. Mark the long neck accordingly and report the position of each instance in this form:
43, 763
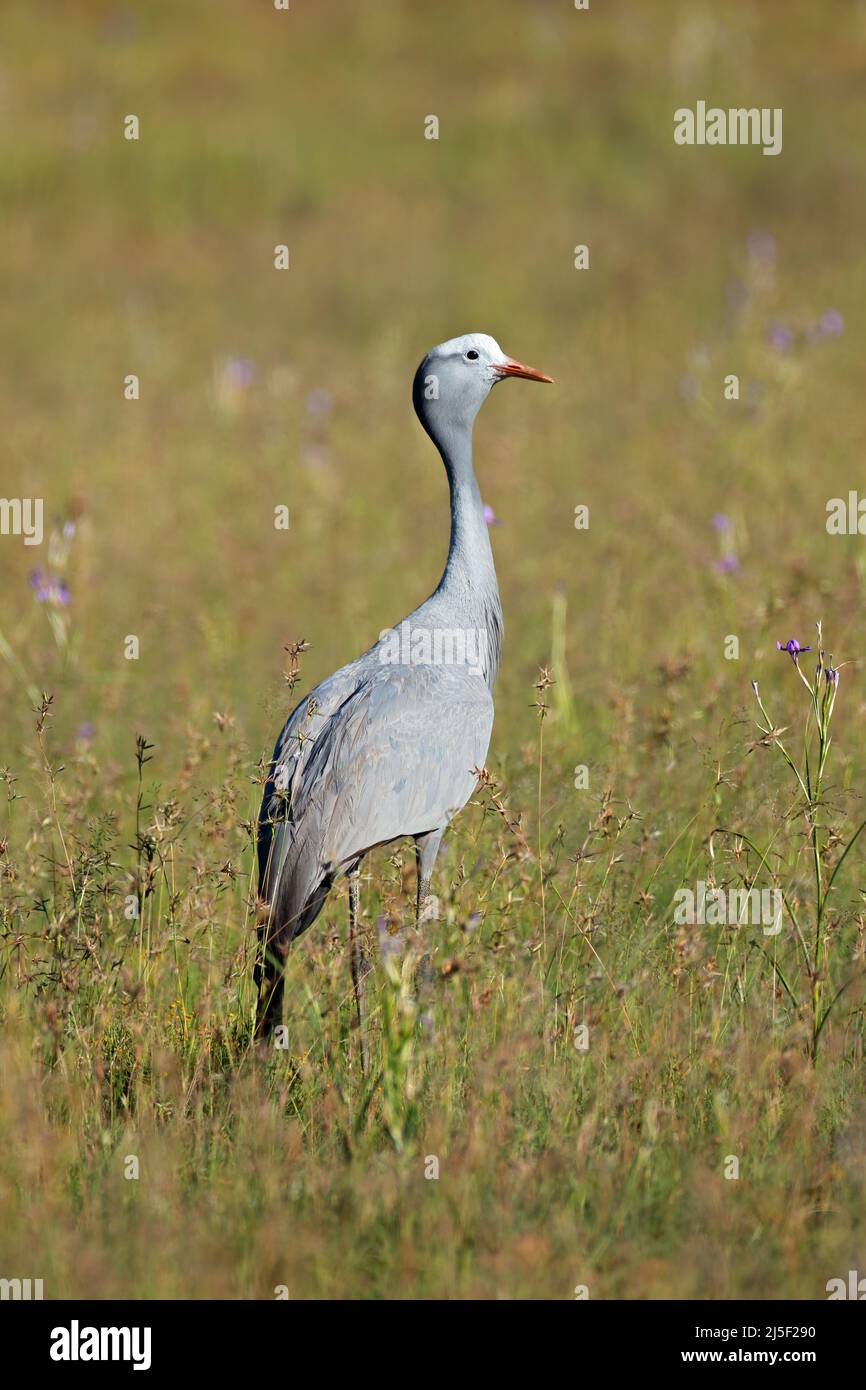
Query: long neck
470, 558
468, 584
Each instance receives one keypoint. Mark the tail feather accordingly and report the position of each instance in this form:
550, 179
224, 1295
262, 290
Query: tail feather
293, 888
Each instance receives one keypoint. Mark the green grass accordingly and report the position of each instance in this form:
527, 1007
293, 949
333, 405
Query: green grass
557, 1167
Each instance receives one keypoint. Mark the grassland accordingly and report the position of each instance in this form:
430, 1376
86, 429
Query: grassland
130, 1036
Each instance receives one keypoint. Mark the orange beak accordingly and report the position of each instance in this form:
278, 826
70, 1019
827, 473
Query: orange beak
512, 368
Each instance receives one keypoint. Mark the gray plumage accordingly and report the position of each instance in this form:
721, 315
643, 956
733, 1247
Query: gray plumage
388, 746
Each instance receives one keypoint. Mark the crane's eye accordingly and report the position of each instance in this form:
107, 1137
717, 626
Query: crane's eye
472, 355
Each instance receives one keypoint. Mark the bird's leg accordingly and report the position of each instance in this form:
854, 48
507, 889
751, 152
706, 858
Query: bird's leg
268, 976
426, 849
426, 906
360, 963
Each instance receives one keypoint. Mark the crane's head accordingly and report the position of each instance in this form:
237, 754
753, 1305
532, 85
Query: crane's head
455, 379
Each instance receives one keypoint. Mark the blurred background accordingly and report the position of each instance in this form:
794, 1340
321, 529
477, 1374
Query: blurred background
261, 388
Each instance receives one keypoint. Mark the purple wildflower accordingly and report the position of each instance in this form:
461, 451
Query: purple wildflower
831, 672
721, 522
728, 564
49, 589
238, 373
780, 337
831, 323
793, 648
85, 730
490, 516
